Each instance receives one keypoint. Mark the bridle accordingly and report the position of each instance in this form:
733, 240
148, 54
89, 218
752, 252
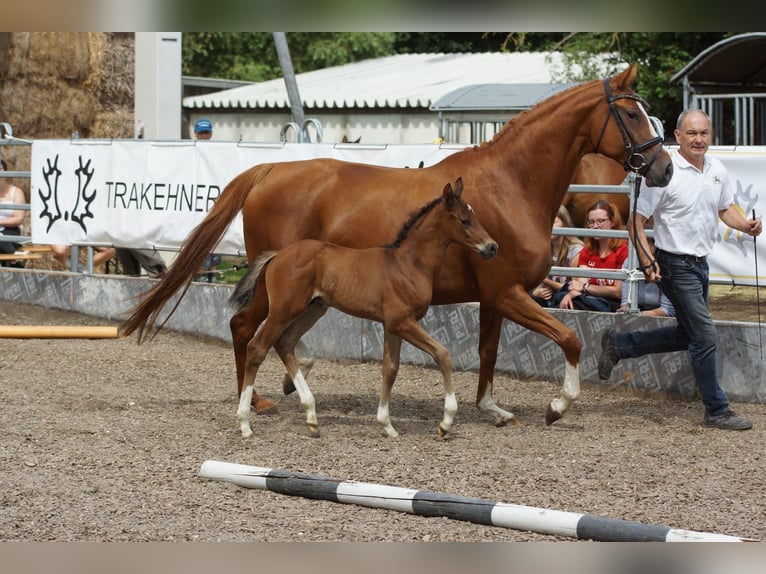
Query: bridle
635, 160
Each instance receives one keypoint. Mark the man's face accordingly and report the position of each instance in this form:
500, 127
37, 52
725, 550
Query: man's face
694, 137
204, 135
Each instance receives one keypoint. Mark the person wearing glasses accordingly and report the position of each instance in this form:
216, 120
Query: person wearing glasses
686, 228
594, 294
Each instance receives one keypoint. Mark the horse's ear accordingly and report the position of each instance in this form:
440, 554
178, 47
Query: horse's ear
458, 187
449, 196
625, 79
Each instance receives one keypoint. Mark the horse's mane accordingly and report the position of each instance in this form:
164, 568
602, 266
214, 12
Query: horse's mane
410, 223
521, 118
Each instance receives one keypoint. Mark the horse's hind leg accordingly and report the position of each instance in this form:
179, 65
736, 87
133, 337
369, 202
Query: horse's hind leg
490, 325
392, 345
290, 341
519, 307
243, 326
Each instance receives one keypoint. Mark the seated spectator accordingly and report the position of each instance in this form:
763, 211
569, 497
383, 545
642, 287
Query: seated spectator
593, 294
652, 302
564, 249
101, 255
133, 260
10, 219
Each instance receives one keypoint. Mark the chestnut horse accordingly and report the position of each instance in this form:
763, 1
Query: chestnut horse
518, 181
596, 169
391, 284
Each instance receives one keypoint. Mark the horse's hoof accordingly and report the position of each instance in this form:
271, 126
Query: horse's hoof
442, 431
287, 385
551, 416
265, 407
513, 421
313, 431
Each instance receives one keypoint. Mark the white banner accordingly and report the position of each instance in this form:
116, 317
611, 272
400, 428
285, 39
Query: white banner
149, 194
733, 258
144, 194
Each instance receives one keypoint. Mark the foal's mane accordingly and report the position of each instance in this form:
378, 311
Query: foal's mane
410, 223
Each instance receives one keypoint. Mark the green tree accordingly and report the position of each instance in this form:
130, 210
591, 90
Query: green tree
659, 56
251, 56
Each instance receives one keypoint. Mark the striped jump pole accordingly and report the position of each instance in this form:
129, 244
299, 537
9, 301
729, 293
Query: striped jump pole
476, 510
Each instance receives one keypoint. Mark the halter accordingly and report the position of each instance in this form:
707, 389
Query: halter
634, 159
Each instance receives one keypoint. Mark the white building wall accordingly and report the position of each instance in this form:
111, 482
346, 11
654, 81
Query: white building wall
373, 128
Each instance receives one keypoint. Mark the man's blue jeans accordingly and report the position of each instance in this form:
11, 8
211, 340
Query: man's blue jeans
685, 283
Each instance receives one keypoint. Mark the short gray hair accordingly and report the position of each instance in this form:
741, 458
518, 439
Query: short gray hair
683, 114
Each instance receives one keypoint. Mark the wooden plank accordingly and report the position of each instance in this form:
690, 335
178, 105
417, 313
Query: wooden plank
19, 257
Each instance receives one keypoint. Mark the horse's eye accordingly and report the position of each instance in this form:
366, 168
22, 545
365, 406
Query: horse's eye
633, 114
466, 222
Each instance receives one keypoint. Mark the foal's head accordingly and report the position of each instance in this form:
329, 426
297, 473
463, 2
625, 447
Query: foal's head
464, 227
456, 220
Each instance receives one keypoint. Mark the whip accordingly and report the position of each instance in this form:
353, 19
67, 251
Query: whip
757, 292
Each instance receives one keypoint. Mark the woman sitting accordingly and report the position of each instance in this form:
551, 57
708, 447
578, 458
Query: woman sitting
10, 218
564, 250
593, 294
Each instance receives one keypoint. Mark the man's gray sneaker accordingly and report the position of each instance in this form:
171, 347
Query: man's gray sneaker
608, 359
728, 421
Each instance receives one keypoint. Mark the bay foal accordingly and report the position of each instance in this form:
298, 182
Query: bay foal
391, 284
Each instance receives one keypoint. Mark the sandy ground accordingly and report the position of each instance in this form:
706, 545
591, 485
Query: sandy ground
103, 441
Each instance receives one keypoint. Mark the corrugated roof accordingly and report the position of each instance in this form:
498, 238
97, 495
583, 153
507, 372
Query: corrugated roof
738, 61
399, 81
496, 97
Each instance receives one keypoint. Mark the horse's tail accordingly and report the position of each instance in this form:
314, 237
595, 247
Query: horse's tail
243, 293
193, 252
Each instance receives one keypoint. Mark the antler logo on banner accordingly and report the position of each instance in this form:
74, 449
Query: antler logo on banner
52, 201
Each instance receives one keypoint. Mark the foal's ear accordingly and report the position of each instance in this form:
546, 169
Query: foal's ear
449, 197
458, 187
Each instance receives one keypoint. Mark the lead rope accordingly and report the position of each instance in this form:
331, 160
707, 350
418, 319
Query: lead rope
757, 292
652, 261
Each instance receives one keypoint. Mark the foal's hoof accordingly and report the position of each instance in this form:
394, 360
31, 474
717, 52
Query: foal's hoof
264, 406
287, 385
551, 416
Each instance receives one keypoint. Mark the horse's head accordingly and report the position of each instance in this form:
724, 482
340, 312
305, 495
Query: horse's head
627, 134
466, 230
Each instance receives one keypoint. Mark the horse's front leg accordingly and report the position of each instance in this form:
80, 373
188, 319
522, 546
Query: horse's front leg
412, 332
392, 346
519, 307
490, 324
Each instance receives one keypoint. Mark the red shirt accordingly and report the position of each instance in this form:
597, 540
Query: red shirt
614, 260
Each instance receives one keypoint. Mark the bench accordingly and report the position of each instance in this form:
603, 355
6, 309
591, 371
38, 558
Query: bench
26, 253
19, 256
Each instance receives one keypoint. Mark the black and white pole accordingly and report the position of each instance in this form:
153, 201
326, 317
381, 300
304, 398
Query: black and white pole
476, 510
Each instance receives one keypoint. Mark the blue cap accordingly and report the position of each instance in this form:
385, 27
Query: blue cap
203, 125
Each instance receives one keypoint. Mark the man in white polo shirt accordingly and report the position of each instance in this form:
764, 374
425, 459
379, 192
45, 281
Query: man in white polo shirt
686, 216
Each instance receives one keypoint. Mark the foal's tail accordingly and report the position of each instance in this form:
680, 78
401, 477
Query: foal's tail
193, 252
243, 293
